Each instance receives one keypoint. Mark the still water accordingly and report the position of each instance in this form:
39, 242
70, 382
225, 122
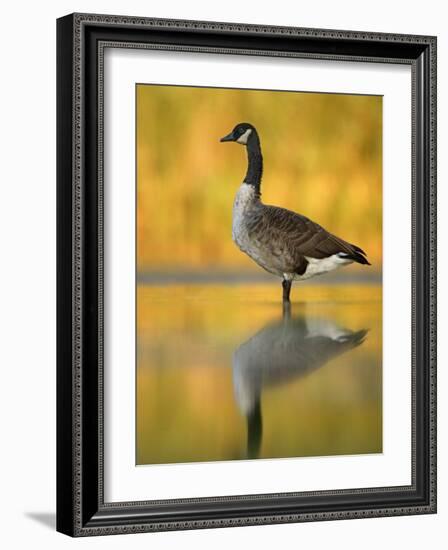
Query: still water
225, 373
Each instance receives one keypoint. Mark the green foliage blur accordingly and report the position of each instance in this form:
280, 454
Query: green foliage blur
322, 158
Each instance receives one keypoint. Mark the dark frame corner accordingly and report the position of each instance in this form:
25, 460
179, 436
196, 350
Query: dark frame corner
81, 510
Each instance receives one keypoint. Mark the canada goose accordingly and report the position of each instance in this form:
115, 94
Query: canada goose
282, 242
282, 352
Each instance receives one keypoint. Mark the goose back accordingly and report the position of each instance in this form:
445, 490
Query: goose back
286, 243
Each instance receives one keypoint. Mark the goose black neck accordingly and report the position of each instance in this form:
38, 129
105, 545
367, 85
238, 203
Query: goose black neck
254, 431
255, 163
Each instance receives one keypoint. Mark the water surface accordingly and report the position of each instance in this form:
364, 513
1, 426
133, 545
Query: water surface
225, 373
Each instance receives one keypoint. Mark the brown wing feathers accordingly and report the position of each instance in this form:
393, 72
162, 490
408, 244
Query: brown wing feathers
304, 237
330, 244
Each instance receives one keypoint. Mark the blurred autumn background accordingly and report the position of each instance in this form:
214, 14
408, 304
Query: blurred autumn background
322, 158
205, 312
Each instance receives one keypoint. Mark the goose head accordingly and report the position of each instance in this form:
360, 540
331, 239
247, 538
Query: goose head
243, 133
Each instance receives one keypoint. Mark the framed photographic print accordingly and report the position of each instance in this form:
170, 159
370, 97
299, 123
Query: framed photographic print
246, 274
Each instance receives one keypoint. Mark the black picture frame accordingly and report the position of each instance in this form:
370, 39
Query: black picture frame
81, 509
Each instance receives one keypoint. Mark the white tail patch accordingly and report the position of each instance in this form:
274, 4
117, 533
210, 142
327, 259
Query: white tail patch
324, 327
324, 265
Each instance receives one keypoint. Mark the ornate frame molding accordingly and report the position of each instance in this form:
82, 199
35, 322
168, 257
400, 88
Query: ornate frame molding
81, 42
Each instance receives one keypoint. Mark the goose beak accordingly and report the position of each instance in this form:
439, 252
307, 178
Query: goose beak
228, 137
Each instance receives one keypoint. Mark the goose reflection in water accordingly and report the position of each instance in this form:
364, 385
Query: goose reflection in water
280, 353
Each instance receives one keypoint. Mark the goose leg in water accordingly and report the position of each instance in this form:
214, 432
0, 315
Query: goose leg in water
286, 289
286, 310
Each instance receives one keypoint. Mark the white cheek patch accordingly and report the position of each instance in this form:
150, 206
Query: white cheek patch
243, 138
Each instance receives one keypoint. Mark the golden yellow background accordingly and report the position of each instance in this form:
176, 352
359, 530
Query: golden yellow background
322, 158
